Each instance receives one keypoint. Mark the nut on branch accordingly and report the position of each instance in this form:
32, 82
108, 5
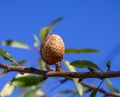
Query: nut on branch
52, 49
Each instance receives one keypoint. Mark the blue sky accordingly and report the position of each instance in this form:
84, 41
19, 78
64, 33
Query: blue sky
86, 24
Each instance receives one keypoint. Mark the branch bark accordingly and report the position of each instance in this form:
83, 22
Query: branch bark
81, 75
91, 87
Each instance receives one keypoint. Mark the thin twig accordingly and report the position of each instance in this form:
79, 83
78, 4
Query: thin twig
91, 87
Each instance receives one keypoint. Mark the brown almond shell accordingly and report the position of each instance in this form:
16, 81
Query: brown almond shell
52, 49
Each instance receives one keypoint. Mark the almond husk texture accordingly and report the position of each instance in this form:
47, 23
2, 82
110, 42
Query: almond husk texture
52, 49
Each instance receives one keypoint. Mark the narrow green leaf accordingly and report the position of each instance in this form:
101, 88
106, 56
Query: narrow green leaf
32, 92
26, 81
19, 63
55, 22
68, 92
86, 50
94, 92
16, 44
36, 41
78, 85
70, 67
84, 64
110, 86
6, 55
44, 32
2, 72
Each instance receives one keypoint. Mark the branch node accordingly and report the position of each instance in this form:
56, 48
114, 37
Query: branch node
43, 78
91, 70
72, 74
59, 67
49, 68
102, 77
80, 79
32, 69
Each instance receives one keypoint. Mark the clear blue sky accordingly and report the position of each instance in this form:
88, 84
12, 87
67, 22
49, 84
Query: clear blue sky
86, 24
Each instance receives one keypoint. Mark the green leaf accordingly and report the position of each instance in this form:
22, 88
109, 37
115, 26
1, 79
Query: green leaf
26, 81
33, 92
84, 64
44, 32
68, 92
19, 63
110, 86
86, 50
6, 55
2, 72
42, 64
94, 92
78, 85
36, 41
16, 44
70, 68
55, 22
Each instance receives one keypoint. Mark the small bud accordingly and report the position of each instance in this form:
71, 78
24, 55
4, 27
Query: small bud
108, 64
80, 79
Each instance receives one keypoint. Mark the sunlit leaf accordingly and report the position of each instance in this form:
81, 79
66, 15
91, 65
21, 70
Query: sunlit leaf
55, 22
19, 63
110, 86
26, 81
44, 32
36, 41
84, 64
85, 50
16, 44
42, 64
6, 55
70, 68
40, 93
94, 92
7, 90
78, 85
1, 73
34, 92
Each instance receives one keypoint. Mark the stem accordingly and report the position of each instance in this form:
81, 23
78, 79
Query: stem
82, 75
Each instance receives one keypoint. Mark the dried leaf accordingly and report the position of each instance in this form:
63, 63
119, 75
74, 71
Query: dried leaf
26, 81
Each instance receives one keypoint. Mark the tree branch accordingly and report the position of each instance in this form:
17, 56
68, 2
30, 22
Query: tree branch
91, 87
81, 75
